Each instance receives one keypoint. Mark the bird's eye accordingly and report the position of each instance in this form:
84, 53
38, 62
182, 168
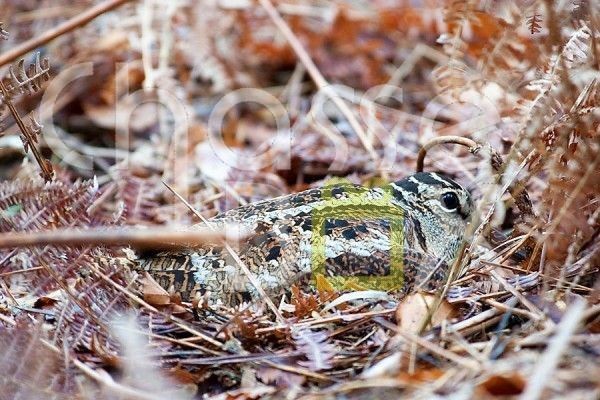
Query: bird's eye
450, 201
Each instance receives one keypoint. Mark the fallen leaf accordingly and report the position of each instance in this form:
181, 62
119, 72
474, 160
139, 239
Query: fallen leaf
45, 302
510, 384
415, 308
153, 293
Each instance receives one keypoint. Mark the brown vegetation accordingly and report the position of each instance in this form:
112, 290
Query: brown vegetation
126, 103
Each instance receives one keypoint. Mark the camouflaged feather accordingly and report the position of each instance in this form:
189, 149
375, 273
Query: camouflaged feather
279, 249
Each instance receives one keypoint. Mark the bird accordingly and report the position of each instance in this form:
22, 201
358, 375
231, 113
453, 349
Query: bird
396, 237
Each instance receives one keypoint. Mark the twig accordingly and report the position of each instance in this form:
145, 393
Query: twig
104, 379
473, 146
477, 322
327, 320
180, 323
430, 346
539, 315
316, 75
557, 346
299, 371
67, 26
236, 258
516, 311
154, 238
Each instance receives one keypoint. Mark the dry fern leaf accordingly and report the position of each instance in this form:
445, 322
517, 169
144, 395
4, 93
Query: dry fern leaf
19, 82
138, 198
509, 59
81, 272
533, 23
316, 348
458, 12
586, 103
46, 206
28, 369
30, 80
574, 53
460, 16
588, 100
452, 78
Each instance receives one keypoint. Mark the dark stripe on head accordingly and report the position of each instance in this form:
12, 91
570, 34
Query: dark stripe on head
419, 233
408, 186
443, 181
398, 194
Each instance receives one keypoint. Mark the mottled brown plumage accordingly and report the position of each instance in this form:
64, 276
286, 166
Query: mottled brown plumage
415, 224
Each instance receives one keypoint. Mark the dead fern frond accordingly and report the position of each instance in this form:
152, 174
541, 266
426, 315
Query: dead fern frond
451, 78
138, 198
316, 348
28, 369
35, 129
533, 23
458, 16
458, 12
574, 54
576, 51
586, 103
588, 99
581, 10
33, 206
28, 81
29, 135
19, 82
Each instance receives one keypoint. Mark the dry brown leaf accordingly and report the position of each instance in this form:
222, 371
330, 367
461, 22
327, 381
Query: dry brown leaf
510, 384
415, 308
304, 303
153, 293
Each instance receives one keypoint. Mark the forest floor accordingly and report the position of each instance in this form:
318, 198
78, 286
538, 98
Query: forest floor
131, 106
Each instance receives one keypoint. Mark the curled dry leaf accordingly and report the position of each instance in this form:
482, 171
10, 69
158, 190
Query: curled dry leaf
413, 311
510, 384
304, 303
153, 293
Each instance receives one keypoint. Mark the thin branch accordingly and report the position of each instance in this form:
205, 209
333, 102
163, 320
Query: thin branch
430, 346
67, 26
539, 315
473, 146
152, 238
103, 378
557, 346
316, 75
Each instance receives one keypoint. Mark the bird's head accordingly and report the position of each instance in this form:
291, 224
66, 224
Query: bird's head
437, 211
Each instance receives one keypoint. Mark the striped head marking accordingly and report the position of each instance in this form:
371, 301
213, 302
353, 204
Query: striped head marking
438, 210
